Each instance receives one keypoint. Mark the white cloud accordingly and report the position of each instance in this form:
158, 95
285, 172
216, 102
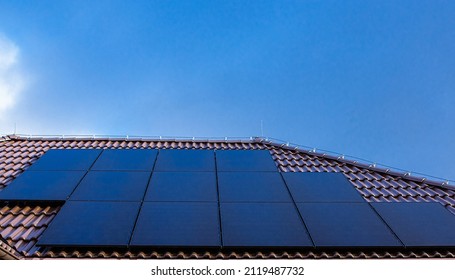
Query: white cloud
12, 82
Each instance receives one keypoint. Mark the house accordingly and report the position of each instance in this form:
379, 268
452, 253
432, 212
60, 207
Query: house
350, 209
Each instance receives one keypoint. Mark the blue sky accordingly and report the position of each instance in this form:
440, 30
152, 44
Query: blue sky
374, 79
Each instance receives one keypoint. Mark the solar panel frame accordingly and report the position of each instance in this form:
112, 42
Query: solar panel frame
321, 187
263, 225
91, 224
245, 160
112, 186
419, 224
66, 160
252, 187
347, 225
42, 186
126, 160
182, 160
177, 224
182, 186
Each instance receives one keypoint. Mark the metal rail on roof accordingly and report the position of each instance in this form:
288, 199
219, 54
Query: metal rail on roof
443, 182
421, 177
127, 137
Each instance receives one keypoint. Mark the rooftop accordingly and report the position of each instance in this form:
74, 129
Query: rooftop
22, 223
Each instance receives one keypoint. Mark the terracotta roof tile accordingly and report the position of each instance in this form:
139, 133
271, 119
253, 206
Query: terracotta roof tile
248, 255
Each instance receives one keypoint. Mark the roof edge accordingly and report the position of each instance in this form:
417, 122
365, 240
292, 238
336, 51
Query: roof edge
7, 252
362, 163
241, 139
358, 162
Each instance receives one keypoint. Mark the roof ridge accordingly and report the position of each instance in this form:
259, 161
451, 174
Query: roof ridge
240, 139
363, 163
356, 161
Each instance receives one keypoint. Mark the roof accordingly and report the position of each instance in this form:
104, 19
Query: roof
6, 251
21, 224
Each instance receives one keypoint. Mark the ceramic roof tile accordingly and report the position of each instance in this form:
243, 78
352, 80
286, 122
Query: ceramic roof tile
249, 255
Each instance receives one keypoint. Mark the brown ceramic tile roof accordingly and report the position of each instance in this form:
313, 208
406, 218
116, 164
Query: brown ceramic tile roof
22, 224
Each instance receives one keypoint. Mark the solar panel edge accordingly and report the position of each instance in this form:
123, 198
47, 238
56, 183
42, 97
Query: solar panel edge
257, 186
40, 163
126, 160
426, 236
201, 161
296, 236
148, 216
322, 233
306, 189
229, 161
123, 186
58, 228
40, 188
182, 186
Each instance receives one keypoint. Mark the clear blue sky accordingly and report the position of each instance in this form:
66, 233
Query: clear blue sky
374, 79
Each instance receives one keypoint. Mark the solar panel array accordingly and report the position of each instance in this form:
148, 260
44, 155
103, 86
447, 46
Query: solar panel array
214, 199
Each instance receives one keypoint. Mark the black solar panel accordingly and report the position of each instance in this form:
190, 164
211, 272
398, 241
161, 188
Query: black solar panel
182, 224
81, 223
114, 186
346, 224
321, 187
186, 160
252, 187
262, 224
244, 160
419, 224
181, 203
74, 159
126, 160
42, 185
182, 186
